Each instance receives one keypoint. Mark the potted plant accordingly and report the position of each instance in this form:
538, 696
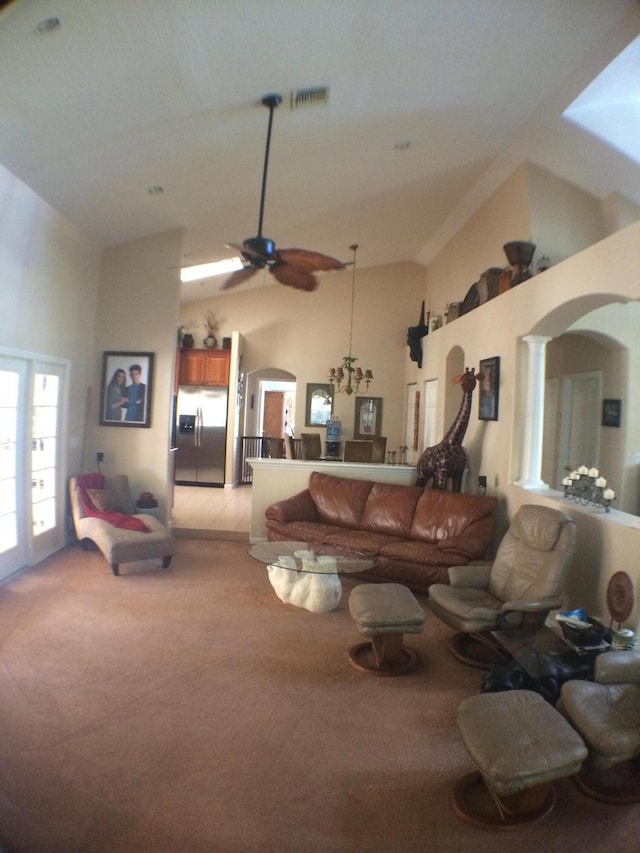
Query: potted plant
211, 325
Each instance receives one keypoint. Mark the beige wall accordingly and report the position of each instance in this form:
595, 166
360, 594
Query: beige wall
48, 294
548, 304
305, 334
137, 311
54, 303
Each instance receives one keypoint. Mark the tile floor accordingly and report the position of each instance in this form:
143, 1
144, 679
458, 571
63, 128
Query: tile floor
205, 513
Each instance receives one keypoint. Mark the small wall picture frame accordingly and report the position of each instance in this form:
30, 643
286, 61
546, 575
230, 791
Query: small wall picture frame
127, 382
368, 418
489, 389
611, 413
319, 404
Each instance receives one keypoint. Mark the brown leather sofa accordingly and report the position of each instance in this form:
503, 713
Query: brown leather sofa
412, 534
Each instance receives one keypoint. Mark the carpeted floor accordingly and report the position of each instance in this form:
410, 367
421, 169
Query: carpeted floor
189, 710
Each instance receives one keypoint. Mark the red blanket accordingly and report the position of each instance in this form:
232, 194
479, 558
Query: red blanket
117, 519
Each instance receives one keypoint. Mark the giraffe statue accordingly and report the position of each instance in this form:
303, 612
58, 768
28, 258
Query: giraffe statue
448, 459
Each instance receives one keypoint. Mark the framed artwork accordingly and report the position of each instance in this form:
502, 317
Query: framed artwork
611, 412
127, 381
489, 388
368, 420
319, 404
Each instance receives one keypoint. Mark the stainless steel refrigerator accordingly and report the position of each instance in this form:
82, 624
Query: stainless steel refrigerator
201, 434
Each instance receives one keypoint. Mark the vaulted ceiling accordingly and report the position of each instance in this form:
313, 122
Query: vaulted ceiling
430, 104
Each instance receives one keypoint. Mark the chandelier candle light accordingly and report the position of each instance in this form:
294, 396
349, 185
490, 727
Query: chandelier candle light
354, 375
585, 486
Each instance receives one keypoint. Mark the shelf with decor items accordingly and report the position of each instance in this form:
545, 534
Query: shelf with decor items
204, 367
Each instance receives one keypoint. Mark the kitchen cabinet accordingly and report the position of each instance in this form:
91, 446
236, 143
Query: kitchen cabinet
204, 367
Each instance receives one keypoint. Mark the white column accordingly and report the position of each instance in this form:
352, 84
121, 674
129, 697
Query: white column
531, 462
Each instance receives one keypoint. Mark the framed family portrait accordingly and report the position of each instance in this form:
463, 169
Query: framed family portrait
127, 381
368, 420
319, 404
489, 388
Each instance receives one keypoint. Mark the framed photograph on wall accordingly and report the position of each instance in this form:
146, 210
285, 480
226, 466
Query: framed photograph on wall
489, 389
127, 380
368, 420
611, 413
319, 400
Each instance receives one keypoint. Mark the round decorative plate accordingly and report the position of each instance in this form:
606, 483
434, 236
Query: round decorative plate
620, 596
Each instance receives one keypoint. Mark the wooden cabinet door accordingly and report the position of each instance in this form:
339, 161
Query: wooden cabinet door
192, 367
204, 367
216, 368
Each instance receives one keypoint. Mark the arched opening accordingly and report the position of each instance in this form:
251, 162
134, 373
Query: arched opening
596, 349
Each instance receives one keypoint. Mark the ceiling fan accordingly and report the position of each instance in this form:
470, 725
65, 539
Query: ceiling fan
293, 267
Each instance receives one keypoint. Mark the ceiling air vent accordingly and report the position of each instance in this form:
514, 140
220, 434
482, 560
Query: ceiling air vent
313, 97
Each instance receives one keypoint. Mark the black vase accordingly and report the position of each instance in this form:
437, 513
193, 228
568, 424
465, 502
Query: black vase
187, 341
519, 254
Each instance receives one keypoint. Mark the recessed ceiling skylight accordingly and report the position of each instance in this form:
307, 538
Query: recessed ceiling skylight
609, 107
197, 271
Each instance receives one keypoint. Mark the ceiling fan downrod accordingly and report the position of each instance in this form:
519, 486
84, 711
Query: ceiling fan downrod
270, 101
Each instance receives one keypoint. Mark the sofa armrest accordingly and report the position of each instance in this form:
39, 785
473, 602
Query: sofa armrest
471, 577
618, 667
467, 545
299, 507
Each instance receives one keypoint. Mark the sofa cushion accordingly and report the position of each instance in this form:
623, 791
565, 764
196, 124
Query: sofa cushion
417, 577
338, 500
441, 515
300, 531
359, 542
421, 553
389, 509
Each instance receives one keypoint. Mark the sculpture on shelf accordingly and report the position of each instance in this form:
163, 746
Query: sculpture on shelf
448, 459
519, 254
415, 334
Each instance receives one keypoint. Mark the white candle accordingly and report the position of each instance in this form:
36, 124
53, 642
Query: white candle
593, 472
567, 481
574, 475
601, 482
583, 469
608, 494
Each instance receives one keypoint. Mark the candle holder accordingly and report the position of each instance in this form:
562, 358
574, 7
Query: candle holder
586, 487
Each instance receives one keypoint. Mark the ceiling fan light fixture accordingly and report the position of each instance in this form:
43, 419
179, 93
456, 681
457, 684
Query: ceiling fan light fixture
198, 271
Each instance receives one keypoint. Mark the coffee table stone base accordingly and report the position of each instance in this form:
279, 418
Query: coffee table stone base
318, 591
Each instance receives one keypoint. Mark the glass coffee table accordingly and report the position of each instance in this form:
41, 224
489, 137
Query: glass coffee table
305, 579
546, 658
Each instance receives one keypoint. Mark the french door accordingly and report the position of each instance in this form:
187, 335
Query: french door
31, 469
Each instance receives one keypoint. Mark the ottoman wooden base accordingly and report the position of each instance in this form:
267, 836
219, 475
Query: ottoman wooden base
472, 801
385, 612
619, 784
384, 655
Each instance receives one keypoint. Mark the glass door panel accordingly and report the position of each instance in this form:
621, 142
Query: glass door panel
13, 551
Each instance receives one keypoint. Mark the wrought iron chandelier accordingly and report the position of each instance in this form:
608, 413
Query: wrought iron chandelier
354, 376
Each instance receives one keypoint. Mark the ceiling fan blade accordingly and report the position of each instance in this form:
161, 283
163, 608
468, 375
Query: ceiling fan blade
239, 277
306, 261
293, 277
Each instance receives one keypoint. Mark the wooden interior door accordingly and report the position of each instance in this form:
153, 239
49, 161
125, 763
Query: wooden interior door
274, 412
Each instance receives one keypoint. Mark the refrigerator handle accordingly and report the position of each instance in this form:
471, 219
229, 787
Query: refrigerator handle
199, 427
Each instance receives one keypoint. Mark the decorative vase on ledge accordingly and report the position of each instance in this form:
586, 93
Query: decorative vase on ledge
519, 254
210, 342
187, 341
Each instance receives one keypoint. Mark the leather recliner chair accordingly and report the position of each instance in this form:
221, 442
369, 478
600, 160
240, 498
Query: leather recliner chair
518, 590
606, 713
